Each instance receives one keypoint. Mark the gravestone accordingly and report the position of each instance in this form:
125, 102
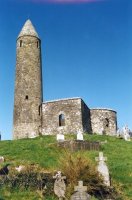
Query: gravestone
60, 137
126, 134
103, 169
79, 135
33, 135
1, 159
59, 185
80, 192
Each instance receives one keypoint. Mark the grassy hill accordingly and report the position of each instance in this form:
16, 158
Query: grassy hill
44, 153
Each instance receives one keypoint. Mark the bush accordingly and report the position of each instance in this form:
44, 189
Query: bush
77, 167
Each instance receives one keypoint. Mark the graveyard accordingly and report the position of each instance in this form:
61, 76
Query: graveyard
43, 155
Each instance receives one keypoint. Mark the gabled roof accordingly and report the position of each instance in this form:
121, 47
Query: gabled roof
28, 29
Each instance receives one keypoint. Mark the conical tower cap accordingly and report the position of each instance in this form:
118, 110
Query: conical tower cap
28, 29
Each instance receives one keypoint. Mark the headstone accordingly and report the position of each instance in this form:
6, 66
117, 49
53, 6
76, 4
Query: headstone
126, 134
79, 135
60, 137
80, 192
1, 159
59, 185
33, 135
103, 169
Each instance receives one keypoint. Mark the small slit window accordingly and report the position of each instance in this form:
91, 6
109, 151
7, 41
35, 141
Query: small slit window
21, 43
39, 109
61, 120
37, 44
26, 97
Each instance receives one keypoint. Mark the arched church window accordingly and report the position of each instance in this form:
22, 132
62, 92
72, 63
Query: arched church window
61, 120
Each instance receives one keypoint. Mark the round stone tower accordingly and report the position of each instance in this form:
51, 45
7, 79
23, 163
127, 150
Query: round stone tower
103, 121
28, 84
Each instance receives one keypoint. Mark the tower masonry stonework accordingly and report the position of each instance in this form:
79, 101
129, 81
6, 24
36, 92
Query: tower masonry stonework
28, 84
32, 116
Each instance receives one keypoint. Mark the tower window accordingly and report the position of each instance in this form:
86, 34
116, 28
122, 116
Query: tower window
21, 43
37, 44
40, 110
106, 122
61, 120
26, 97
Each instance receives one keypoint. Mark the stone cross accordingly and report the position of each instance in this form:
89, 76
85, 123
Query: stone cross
103, 169
80, 192
59, 185
80, 187
101, 157
79, 135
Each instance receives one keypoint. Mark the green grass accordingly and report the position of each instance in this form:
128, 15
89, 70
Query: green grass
44, 152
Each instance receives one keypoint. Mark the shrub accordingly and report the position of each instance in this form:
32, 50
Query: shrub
77, 167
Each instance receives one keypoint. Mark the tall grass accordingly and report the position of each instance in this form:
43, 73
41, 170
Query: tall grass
43, 151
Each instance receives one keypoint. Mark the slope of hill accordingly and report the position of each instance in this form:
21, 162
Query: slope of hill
43, 152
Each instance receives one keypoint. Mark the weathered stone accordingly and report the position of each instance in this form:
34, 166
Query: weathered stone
103, 121
28, 84
103, 169
59, 185
60, 137
32, 117
80, 192
126, 134
79, 135
72, 110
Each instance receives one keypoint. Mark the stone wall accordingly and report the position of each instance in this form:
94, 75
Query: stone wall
71, 109
76, 145
103, 121
86, 120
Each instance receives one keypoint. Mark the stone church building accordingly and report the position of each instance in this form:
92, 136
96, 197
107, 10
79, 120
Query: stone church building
32, 116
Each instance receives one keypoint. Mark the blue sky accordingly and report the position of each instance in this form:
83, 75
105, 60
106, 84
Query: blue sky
86, 52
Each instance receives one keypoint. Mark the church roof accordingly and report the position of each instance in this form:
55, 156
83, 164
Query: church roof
28, 29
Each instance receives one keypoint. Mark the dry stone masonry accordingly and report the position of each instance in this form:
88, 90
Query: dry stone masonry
65, 116
32, 116
28, 84
103, 121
